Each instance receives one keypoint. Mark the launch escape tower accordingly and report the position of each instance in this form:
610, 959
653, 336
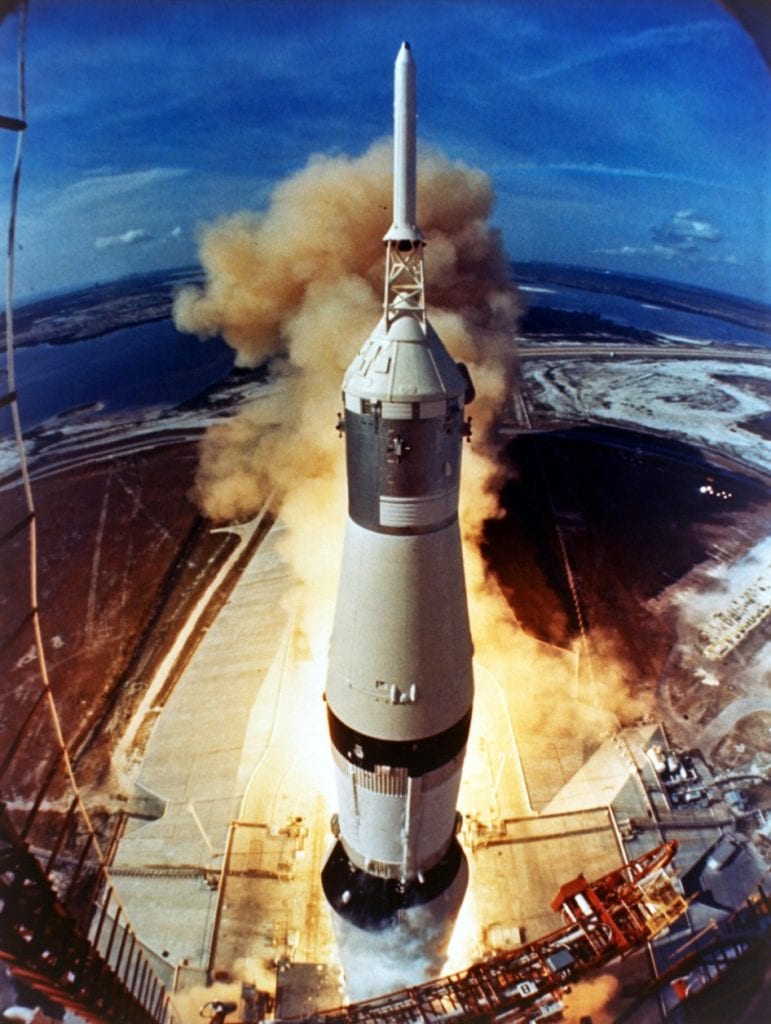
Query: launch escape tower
399, 687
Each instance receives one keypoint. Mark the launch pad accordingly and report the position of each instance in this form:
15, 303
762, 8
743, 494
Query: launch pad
224, 886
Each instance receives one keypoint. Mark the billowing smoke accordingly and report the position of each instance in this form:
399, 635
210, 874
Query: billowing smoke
592, 999
300, 287
395, 958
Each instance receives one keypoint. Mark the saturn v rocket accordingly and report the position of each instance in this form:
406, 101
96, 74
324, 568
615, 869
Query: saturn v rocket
399, 687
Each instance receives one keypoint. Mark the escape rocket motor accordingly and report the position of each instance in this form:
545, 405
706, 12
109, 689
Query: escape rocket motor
400, 687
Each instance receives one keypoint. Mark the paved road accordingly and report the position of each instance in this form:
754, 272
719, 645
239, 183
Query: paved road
728, 718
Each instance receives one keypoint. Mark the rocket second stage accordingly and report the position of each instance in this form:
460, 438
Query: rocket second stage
399, 688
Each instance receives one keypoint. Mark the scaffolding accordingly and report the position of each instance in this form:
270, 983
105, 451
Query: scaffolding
603, 920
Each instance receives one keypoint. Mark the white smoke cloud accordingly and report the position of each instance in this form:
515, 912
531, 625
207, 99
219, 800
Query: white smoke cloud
392, 959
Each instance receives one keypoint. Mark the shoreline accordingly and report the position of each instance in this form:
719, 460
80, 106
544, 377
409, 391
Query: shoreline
65, 319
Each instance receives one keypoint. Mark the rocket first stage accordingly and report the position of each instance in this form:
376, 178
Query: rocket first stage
400, 687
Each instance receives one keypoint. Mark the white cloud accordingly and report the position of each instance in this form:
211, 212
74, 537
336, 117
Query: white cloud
624, 250
94, 189
670, 252
615, 45
131, 237
685, 232
609, 170
685, 236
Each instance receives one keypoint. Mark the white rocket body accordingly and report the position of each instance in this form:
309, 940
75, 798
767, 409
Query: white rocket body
404, 226
400, 687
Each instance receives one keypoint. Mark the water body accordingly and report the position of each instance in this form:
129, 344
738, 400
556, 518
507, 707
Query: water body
147, 366
644, 315
152, 365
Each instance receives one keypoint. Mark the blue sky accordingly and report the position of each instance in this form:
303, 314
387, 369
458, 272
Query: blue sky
627, 134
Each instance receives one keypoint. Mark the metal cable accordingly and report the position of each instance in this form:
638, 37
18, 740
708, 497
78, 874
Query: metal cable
19, 125
17, 429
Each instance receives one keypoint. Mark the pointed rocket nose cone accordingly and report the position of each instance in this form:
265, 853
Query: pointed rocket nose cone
405, 52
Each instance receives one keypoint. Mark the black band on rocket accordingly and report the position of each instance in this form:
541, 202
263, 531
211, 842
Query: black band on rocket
418, 756
374, 903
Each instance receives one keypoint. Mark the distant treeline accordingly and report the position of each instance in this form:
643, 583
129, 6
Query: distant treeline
542, 320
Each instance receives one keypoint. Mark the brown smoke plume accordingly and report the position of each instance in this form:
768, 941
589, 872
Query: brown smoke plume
300, 287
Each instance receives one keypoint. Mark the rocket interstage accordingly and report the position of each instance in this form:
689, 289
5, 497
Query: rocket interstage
399, 686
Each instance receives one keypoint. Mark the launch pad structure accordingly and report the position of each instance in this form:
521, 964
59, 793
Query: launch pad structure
223, 885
